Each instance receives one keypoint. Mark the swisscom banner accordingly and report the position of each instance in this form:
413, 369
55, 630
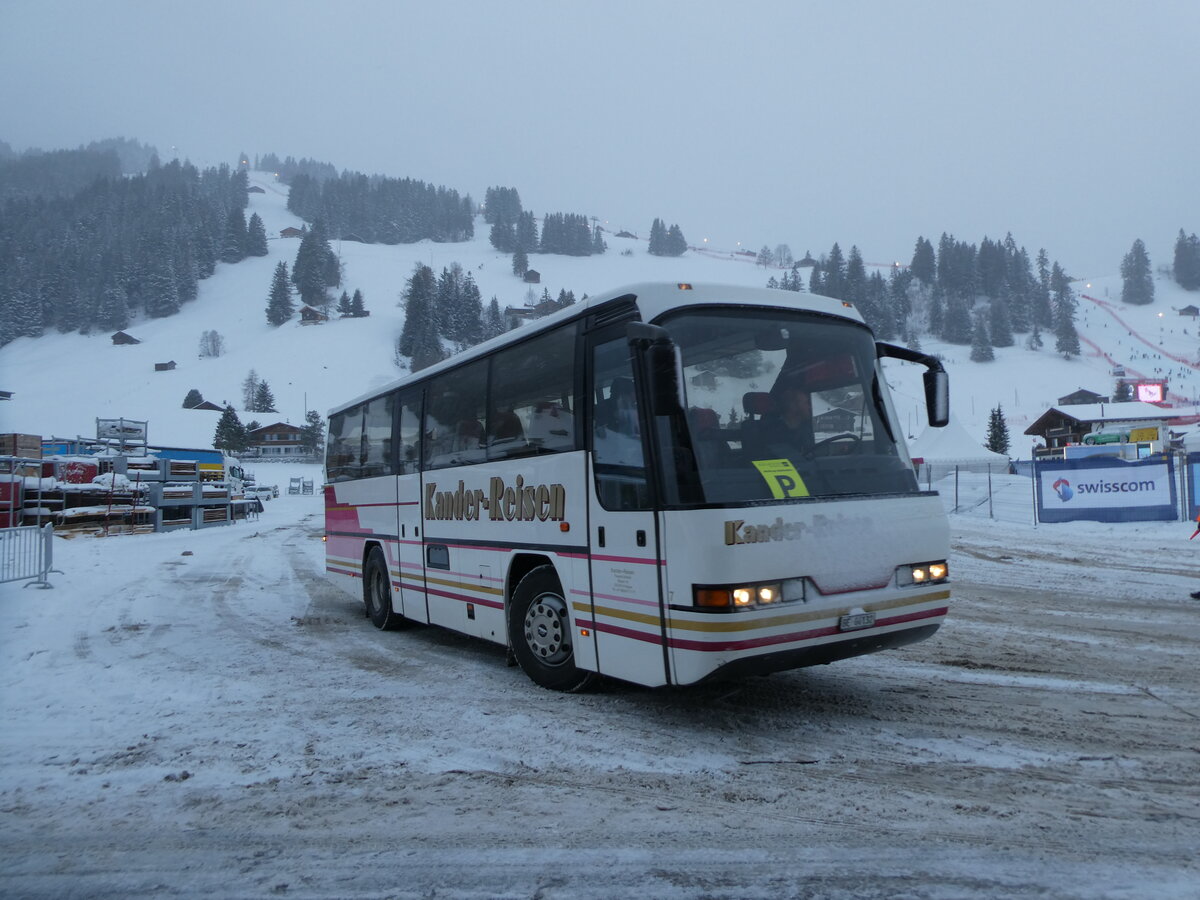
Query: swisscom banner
1107, 490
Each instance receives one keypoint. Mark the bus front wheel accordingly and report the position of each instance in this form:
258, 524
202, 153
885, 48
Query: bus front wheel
539, 629
377, 592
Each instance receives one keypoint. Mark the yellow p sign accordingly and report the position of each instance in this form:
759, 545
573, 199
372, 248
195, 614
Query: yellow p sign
782, 478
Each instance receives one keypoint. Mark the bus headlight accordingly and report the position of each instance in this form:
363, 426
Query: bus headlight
922, 573
747, 596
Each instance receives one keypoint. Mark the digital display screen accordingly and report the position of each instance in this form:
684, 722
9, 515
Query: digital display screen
1151, 393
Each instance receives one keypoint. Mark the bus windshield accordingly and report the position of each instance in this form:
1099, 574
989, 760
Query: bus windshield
779, 405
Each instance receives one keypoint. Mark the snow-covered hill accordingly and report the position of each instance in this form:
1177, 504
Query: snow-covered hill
62, 383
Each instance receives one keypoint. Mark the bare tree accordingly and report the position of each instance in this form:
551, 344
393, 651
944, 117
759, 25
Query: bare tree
211, 345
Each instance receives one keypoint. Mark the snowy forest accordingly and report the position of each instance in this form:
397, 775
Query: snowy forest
94, 238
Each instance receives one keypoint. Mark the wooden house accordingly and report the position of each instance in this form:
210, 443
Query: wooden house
312, 316
165, 367
290, 232
122, 338
276, 439
533, 276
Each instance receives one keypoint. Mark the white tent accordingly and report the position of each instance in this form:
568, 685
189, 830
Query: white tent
942, 450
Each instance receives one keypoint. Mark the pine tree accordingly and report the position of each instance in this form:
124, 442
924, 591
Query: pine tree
520, 262
981, 343
113, 311
256, 237
1043, 311
658, 238
923, 266
999, 323
193, 399
264, 400
527, 232
343, 306
233, 246
230, 435
855, 289
162, 291
833, 274
358, 308
312, 432
1066, 339
957, 327
419, 337
493, 323
316, 268
676, 243
503, 237
937, 311
1020, 297
997, 433
1123, 393
765, 258
1187, 261
279, 303
1137, 281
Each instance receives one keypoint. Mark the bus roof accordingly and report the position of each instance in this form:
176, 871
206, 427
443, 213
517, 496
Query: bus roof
653, 300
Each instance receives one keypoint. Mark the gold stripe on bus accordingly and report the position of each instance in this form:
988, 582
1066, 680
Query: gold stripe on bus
733, 625
464, 586
345, 563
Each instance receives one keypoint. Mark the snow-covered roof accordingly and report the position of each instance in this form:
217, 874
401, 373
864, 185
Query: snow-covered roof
1132, 410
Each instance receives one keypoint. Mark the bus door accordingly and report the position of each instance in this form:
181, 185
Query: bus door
411, 563
626, 600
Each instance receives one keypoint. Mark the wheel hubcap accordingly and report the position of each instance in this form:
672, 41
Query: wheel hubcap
546, 629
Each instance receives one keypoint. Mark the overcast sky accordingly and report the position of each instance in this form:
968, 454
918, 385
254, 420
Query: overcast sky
1074, 125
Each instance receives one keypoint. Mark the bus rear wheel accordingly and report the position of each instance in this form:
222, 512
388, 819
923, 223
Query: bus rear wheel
377, 592
539, 629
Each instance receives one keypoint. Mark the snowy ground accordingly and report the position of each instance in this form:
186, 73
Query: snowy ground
202, 713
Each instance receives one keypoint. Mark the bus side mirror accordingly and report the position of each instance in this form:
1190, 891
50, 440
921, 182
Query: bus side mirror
654, 350
937, 397
937, 381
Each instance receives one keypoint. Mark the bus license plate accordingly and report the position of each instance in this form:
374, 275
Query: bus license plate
856, 621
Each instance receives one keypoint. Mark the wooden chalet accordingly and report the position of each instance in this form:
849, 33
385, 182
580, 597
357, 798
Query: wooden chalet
311, 316
165, 367
276, 439
1192, 311
533, 276
207, 404
291, 232
1063, 425
122, 338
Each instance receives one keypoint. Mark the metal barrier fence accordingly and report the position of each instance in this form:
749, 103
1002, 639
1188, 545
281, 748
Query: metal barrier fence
27, 551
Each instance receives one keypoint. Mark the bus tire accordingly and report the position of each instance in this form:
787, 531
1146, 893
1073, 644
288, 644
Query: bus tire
377, 592
539, 629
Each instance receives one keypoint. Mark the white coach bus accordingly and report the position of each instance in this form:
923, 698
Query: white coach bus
661, 484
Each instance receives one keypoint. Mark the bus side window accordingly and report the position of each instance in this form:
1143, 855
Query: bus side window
377, 437
620, 463
409, 436
343, 458
454, 417
531, 403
